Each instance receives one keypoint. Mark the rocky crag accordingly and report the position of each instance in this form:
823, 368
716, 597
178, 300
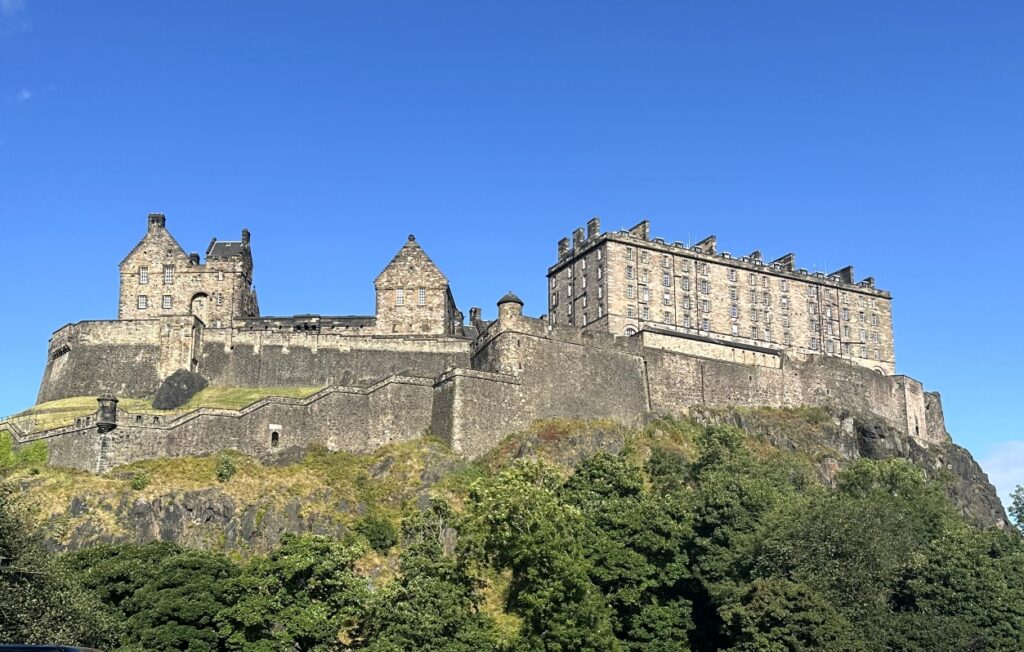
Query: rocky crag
238, 503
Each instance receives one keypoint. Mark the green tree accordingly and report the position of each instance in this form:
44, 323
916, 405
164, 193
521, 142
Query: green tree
636, 548
434, 606
964, 592
776, 615
40, 599
516, 522
1017, 507
113, 573
304, 596
176, 608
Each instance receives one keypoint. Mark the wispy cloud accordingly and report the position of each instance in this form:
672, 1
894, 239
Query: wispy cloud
1005, 467
11, 7
24, 95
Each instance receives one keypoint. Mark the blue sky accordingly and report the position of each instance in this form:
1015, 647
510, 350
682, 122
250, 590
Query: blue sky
884, 135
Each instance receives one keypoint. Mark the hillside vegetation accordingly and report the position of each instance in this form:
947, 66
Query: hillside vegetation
683, 535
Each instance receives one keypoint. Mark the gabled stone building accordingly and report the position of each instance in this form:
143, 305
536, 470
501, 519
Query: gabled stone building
158, 279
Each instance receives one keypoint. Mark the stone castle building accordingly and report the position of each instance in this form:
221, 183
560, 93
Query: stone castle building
635, 327
625, 282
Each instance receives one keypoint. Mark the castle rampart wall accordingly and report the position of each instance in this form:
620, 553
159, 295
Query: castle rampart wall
268, 358
92, 357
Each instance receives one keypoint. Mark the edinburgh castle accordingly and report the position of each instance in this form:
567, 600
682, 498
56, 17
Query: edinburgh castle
635, 327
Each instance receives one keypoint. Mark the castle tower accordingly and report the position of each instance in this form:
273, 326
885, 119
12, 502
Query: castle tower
158, 279
413, 296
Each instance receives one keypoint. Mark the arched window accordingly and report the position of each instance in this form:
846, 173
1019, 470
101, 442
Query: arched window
275, 439
629, 332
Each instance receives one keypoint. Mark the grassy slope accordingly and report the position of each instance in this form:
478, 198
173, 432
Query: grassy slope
63, 412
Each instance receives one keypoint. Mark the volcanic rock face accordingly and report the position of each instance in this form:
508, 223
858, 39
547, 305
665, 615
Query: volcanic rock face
250, 512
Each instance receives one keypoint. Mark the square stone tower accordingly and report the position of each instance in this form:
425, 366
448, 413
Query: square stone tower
413, 296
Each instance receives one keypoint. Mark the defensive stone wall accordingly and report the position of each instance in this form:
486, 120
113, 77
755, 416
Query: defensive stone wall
233, 357
356, 419
92, 357
470, 392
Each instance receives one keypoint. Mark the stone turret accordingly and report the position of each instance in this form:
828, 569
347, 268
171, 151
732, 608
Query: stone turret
106, 417
510, 307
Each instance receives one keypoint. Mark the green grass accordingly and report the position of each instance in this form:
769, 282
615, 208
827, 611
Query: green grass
63, 412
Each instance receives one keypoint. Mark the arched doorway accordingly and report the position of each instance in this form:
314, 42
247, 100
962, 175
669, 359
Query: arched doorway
200, 306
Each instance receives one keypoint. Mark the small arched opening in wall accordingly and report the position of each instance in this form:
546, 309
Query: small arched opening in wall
629, 331
878, 370
275, 435
199, 305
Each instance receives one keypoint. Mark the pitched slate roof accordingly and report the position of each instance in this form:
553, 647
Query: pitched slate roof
224, 249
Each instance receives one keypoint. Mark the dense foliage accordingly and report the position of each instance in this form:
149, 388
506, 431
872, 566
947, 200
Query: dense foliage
655, 549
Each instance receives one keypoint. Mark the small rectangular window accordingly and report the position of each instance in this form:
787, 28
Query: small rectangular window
166, 302
645, 257
422, 298
686, 282
666, 280
686, 303
143, 275
666, 317
143, 302
646, 312
784, 285
629, 272
732, 275
705, 325
600, 272
643, 276
705, 306
168, 274
629, 253
666, 298
686, 321
753, 332
630, 292
220, 298
735, 329
814, 344
645, 294
600, 311
787, 339
600, 291
705, 287
630, 311
400, 297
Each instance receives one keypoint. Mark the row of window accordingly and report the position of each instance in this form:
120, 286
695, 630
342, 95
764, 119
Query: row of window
168, 275
167, 301
421, 297
143, 302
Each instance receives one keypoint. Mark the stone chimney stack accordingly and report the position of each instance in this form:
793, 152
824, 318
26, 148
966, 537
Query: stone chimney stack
193, 258
245, 237
474, 315
563, 248
577, 239
593, 228
157, 221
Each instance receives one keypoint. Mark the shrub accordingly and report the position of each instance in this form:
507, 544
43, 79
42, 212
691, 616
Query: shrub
140, 481
379, 531
225, 468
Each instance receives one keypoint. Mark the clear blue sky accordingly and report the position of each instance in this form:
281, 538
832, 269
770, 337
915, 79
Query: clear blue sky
887, 135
